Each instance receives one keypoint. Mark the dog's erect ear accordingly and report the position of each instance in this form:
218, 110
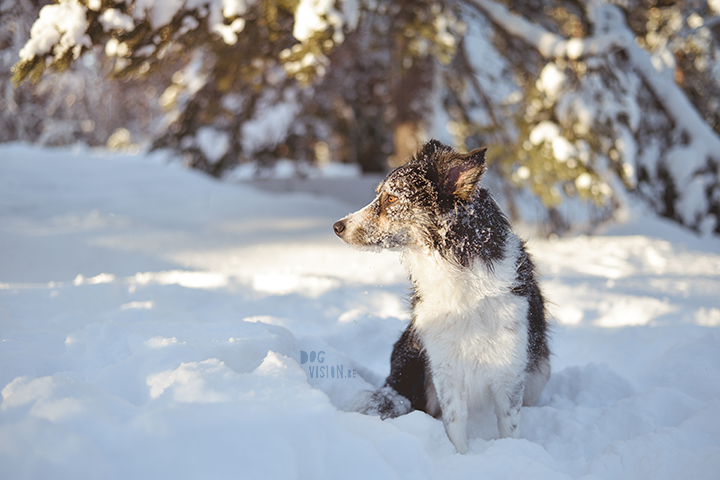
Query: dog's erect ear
462, 177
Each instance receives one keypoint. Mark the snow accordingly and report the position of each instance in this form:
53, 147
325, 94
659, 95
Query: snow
714, 6
271, 123
487, 64
229, 33
232, 8
691, 161
113, 18
544, 132
309, 18
213, 143
157, 323
551, 81
58, 28
159, 12
315, 16
61, 27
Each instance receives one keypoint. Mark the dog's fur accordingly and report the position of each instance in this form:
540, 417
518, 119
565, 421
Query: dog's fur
478, 332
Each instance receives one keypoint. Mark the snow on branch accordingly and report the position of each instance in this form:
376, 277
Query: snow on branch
612, 32
59, 28
548, 44
63, 26
687, 161
65, 30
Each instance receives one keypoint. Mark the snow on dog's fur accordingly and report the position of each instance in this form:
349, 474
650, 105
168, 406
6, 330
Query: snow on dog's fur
478, 333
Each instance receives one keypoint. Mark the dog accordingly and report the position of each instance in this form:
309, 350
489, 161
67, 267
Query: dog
478, 333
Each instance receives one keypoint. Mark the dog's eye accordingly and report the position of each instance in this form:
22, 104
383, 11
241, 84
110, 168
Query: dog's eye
391, 199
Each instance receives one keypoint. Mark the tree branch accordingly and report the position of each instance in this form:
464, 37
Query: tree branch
612, 31
548, 44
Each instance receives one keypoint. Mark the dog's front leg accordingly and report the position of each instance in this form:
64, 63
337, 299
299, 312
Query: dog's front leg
453, 399
508, 400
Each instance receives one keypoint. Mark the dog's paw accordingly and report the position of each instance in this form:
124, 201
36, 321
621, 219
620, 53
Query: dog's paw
384, 402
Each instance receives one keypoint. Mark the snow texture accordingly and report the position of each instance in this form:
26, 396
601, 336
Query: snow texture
310, 18
271, 123
213, 143
155, 323
112, 19
61, 27
315, 16
58, 28
688, 161
714, 6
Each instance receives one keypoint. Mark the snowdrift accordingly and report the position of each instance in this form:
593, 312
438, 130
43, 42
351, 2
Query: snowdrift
155, 323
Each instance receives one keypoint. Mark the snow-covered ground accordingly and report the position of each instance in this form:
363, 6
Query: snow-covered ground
155, 323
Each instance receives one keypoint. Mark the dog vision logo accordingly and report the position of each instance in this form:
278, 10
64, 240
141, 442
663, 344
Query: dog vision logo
317, 369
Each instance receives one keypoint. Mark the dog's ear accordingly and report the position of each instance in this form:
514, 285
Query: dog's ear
462, 177
431, 148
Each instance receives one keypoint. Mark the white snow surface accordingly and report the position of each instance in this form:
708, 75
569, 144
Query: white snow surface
156, 323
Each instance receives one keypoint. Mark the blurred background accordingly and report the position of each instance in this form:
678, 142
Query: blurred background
589, 107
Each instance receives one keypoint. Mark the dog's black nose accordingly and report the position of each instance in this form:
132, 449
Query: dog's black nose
339, 227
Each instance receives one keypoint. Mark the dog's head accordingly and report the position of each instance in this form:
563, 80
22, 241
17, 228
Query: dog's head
413, 202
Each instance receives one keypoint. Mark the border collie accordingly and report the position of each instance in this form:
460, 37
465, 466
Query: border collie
478, 334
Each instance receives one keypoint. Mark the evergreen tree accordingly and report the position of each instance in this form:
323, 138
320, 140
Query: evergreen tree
600, 114
79, 105
585, 104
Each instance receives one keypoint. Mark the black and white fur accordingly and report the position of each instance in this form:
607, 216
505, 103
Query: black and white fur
478, 333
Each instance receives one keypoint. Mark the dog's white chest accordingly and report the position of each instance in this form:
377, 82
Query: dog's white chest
468, 317
486, 337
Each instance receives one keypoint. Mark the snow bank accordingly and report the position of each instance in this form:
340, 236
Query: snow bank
155, 323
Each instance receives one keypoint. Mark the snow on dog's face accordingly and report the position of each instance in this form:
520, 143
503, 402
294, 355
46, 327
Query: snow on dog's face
414, 202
